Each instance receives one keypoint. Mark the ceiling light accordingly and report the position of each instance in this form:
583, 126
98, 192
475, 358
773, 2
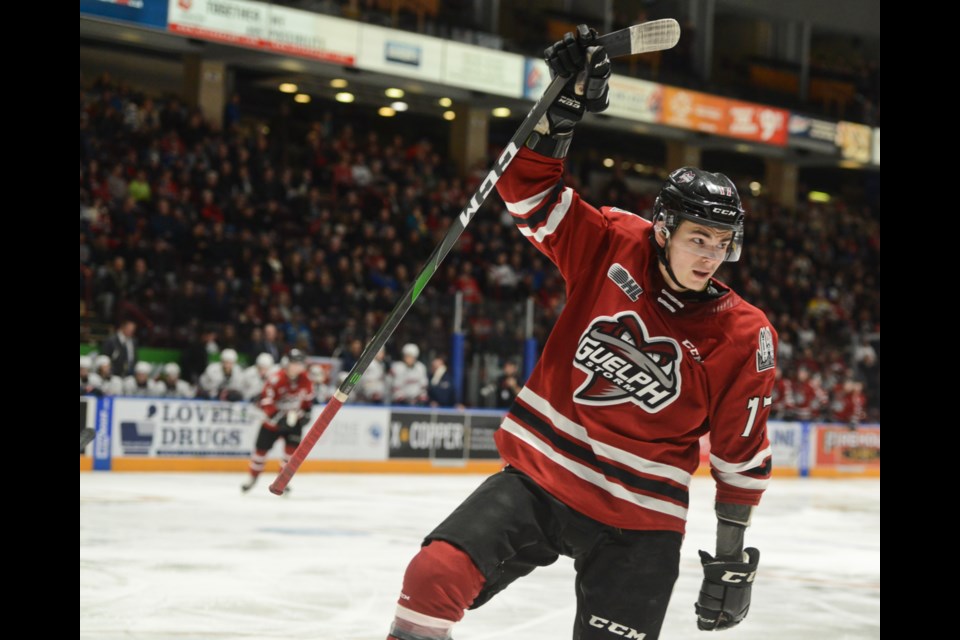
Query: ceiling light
449, 115
608, 162
338, 83
818, 196
445, 102
394, 93
344, 96
399, 106
302, 98
288, 87
386, 112
501, 112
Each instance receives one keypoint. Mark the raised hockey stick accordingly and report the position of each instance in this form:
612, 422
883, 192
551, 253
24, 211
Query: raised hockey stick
642, 38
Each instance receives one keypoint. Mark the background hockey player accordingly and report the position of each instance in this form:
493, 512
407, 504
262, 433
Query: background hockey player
649, 353
141, 383
285, 402
408, 377
89, 381
110, 384
223, 380
256, 376
173, 385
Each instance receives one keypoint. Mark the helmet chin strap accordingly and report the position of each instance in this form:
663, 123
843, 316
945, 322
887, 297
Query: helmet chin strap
662, 257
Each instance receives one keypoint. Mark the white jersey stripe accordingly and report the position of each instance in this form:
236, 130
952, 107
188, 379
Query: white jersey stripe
741, 481
553, 221
527, 205
735, 467
578, 432
587, 474
422, 619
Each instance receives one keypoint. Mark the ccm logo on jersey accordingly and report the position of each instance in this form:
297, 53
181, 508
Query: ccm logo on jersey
624, 364
616, 627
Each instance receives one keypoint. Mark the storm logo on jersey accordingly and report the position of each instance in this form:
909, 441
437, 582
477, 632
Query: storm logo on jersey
624, 364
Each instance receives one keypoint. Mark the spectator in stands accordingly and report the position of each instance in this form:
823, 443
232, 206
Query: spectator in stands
90, 382
222, 380
121, 348
140, 383
287, 242
270, 343
440, 390
849, 404
173, 385
110, 384
409, 377
508, 385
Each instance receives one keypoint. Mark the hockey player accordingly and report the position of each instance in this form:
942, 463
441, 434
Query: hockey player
408, 377
373, 384
173, 385
256, 376
140, 383
110, 385
285, 401
222, 380
649, 353
89, 381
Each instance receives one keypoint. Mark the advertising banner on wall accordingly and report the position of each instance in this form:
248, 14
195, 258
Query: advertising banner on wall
146, 13
813, 134
635, 99
358, 433
161, 427
836, 446
494, 72
855, 141
269, 27
410, 55
439, 434
427, 434
723, 117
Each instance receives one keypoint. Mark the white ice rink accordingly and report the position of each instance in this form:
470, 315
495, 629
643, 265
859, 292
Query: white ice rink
187, 556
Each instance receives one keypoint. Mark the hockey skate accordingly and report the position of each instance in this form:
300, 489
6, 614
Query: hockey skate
246, 486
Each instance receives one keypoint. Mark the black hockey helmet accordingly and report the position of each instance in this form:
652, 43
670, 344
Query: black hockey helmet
706, 198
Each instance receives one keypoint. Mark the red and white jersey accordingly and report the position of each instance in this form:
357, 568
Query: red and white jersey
633, 373
281, 394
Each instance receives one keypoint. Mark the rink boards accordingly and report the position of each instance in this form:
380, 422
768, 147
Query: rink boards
159, 434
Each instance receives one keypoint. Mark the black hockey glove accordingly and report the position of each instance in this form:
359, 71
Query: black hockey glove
725, 593
588, 68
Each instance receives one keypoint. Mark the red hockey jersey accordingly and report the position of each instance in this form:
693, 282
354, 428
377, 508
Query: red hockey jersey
281, 394
633, 373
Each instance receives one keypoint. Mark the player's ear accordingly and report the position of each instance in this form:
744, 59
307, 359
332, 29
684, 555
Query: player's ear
660, 232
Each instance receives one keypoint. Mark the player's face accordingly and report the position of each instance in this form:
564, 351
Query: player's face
294, 369
696, 251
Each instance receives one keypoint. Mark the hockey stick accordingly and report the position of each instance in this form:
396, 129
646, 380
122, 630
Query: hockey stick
643, 38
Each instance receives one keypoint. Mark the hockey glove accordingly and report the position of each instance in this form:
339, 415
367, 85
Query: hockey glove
588, 68
725, 593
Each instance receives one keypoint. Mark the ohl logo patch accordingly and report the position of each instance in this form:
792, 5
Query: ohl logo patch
624, 364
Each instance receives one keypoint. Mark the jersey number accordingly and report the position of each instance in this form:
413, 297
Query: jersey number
753, 404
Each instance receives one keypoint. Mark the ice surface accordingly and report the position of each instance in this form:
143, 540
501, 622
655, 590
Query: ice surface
187, 556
